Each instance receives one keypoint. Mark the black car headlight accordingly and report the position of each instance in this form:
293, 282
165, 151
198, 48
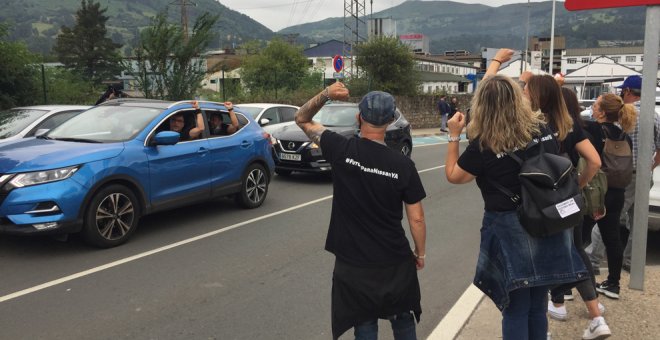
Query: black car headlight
27, 179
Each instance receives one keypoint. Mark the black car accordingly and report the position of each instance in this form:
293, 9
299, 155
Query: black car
293, 151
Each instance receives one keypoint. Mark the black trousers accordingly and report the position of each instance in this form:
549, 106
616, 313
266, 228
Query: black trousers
610, 231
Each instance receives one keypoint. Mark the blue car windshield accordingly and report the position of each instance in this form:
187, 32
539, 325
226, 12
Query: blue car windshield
15, 120
105, 124
337, 115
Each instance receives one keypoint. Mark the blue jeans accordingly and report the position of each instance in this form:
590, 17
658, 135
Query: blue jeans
525, 318
403, 328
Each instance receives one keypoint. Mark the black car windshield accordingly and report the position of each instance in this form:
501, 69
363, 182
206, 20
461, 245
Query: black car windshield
16, 120
337, 115
106, 124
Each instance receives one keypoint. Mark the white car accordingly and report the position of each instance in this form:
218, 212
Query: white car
654, 194
270, 116
22, 122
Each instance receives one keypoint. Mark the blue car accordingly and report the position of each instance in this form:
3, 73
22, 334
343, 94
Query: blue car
99, 172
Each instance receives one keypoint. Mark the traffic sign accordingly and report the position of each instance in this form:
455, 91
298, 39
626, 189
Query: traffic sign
338, 63
576, 5
338, 75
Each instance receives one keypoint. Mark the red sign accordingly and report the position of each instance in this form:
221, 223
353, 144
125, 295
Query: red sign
415, 36
338, 63
576, 5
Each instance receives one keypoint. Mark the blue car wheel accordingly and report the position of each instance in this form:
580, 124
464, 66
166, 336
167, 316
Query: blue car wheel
112, 216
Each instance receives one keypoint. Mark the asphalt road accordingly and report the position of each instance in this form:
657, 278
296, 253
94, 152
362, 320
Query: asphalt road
215, 271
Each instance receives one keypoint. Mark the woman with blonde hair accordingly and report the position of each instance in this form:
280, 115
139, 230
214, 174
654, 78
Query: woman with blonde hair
614, 120
514, 269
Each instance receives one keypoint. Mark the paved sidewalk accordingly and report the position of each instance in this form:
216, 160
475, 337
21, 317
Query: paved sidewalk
427, 132
633, 316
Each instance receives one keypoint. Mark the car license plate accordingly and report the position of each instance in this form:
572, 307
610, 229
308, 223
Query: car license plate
290, 157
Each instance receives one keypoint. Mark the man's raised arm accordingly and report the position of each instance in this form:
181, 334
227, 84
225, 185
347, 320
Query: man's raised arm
312, 129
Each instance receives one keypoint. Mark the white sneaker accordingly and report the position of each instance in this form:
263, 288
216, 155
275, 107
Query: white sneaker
557, 313
597, 329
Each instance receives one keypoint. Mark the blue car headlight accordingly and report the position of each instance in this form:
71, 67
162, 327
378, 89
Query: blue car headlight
26, 179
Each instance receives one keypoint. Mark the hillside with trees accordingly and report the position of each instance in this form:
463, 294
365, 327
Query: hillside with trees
38, 22
452, 25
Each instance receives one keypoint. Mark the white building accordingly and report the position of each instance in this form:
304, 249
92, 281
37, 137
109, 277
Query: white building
381, 27
631, 57
442, 75
600, 76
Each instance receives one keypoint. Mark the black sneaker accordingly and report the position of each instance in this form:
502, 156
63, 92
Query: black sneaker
626, 267
608, 289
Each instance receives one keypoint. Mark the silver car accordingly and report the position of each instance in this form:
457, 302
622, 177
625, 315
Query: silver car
270, 116
22, 122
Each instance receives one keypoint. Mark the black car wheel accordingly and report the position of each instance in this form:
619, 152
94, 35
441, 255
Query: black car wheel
405, 148
282, 172
112, 216
254, 187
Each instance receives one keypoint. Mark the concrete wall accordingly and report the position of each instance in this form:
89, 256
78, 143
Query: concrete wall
422, 111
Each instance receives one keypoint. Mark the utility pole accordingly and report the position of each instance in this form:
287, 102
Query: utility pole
354, 14
184, 15
527, 37
552, 36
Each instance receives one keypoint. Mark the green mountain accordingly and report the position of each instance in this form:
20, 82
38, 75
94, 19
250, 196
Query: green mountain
452, 25
37, 22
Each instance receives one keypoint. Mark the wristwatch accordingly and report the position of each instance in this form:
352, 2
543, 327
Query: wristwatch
453, 139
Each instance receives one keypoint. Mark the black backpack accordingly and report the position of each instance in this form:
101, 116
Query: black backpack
550, 199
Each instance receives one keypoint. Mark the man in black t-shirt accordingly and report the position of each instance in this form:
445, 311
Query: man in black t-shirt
217, 127
375, 274
178, 124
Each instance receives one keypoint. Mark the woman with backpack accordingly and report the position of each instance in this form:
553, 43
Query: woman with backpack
614, 120
514, 268
547, 96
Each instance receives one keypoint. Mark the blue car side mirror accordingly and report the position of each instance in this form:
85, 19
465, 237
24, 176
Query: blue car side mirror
166, 138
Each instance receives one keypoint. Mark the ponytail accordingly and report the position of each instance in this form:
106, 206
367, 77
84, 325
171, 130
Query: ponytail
616, 111
627, 117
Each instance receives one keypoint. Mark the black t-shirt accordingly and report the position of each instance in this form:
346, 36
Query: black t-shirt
489, 167
595, 129
184, 135
573, 138
370, 182
220, 130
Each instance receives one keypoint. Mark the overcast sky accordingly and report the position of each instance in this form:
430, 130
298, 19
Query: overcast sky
279, 14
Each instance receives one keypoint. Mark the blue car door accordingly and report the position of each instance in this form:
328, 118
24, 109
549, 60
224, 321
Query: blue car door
179, 173
229, 156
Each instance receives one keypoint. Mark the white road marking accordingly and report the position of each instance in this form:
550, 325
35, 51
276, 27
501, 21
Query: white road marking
152, 252
458, 315
161, 249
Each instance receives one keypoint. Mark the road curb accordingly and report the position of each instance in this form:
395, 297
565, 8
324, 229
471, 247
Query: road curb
458, 315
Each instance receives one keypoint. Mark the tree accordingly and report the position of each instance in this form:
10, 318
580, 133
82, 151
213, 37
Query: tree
278, 66
17, 72
168, 66
389, 66
86, 48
